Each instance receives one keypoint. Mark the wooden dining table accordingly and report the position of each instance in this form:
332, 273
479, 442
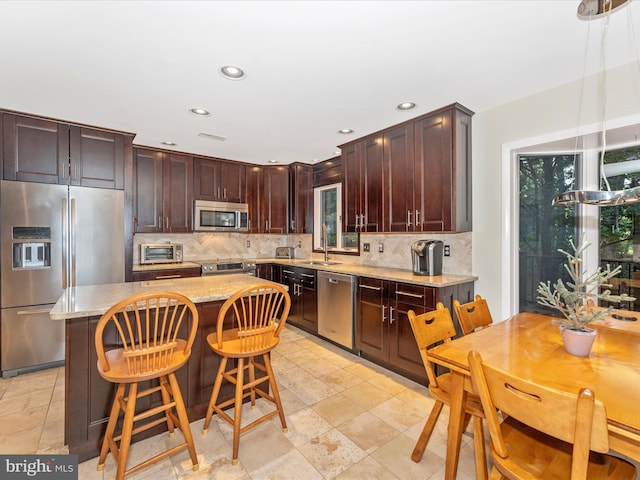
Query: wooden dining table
530, 346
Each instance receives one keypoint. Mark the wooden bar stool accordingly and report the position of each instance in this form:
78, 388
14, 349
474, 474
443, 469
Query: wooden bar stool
151, 335
259, 313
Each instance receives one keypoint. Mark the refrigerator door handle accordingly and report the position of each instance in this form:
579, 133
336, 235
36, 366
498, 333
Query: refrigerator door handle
72, 232
65, 242
33, 312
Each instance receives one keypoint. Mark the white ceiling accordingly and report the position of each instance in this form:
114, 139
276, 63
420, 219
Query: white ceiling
312, 67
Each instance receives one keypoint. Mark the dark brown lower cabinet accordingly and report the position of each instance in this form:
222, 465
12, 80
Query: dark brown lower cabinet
165, 274
88, 396
304, 300
383, 331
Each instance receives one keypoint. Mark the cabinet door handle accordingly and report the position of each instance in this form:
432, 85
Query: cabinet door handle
224, 192
218, 194
417, 216
390, 315
408, 294
383, 317
370, 287
266, 226
408, 218
166, 222
159, 224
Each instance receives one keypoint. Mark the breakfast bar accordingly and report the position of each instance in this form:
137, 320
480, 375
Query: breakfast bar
88, 397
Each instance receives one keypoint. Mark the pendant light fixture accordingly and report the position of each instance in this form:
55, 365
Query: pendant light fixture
589, 10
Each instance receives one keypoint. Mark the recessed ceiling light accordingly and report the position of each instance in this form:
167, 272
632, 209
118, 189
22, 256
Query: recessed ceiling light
232, 72
338, 152
406, 106
345, 131
200, 112
169, 144
273, 161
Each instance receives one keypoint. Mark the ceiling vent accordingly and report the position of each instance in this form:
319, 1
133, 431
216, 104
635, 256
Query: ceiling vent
211, 136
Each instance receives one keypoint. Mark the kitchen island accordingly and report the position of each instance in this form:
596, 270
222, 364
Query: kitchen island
88, 397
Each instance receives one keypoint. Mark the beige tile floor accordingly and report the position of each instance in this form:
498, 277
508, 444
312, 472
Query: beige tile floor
347, 418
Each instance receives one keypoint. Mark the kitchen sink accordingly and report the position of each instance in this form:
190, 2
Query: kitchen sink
321, 262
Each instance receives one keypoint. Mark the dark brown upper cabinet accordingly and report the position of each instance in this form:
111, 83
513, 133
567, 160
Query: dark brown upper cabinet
301, 198
268, 199
399, 179
274, 201
443, 170
46, 151
424, 168
163, 192
362, 190
219, 180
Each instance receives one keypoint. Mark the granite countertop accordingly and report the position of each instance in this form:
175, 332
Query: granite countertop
384, 273
92, 300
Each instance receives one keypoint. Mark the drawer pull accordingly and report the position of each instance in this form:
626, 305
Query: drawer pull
371, 288
308, 275
408, 294
161, 277
383, 317
287, 271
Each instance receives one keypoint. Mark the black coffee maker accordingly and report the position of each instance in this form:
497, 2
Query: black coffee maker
427, 257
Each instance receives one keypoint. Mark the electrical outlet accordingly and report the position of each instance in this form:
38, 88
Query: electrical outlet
248, 243
366, 247
447, 250
380, 247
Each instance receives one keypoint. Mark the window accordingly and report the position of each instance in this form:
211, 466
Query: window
327, 201
543, 228
620, 225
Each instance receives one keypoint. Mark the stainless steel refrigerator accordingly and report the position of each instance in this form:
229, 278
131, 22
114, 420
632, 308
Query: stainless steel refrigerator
52, 237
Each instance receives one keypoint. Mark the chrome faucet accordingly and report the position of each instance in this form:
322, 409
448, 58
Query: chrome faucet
326, 242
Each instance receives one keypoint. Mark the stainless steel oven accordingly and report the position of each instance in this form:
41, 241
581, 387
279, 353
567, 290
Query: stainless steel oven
220, 216
219, 267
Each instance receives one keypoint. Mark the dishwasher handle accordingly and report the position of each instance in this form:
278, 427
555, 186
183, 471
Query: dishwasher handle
333, 280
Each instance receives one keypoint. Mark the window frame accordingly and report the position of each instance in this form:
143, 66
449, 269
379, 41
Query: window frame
317, 219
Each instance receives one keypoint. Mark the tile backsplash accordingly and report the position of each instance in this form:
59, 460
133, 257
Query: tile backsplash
396, 254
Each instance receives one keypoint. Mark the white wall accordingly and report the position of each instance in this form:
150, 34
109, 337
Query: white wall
546, 116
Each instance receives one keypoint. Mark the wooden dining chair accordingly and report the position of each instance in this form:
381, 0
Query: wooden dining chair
430, 328
145, 338
547, 433
473, 315
259, 313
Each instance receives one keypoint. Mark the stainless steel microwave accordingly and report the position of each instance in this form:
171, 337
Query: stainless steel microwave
220, 216
151, 253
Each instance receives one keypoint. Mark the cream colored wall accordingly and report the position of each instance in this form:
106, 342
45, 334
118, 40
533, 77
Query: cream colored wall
546, 116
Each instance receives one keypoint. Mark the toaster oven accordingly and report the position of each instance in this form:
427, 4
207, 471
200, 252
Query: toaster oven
151, 253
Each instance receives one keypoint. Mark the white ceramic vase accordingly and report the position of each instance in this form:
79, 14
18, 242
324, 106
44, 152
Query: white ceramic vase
577, 342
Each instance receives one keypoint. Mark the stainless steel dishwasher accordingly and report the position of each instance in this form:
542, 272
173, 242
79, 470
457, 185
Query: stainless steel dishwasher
336, 303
